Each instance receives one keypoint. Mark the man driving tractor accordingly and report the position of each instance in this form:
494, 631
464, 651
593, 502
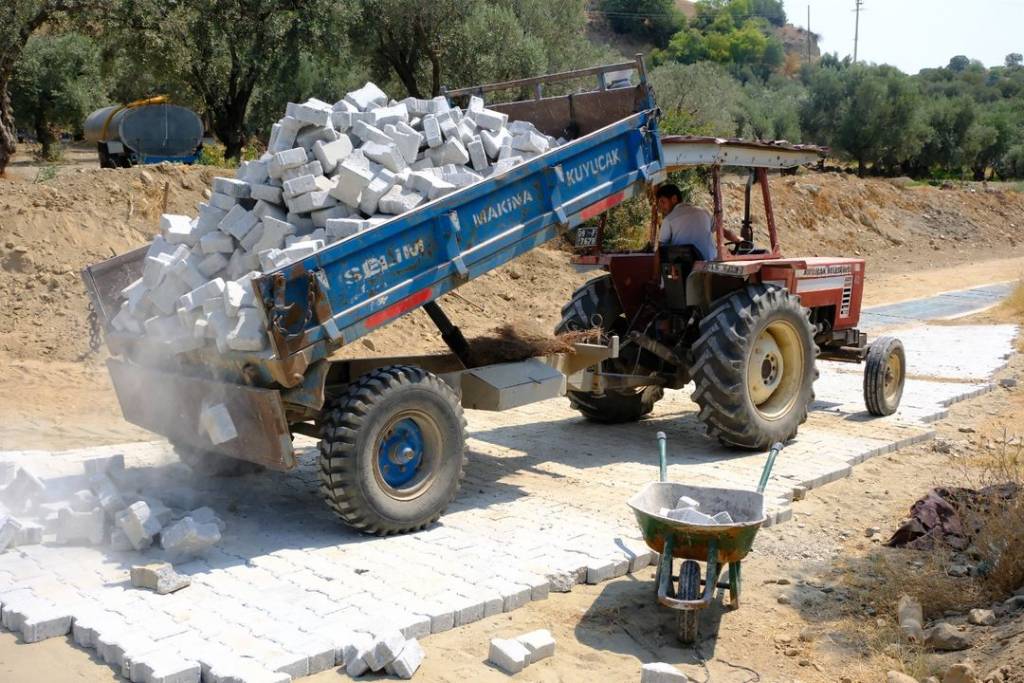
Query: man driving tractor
686, 224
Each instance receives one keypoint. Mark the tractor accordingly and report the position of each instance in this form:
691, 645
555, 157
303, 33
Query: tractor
746, 329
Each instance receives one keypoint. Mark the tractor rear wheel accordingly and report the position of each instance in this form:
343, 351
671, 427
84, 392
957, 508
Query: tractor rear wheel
596, 304
392, 450
754, 367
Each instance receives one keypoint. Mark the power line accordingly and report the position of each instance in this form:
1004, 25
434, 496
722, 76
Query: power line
856, 28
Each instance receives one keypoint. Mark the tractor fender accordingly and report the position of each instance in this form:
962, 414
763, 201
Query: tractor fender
704, 288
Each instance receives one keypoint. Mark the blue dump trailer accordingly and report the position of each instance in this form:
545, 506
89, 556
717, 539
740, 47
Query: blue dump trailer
392, 432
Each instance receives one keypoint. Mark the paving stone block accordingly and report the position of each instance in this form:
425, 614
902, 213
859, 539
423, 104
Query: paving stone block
29, 533
282, 161
215, 420
188, 537
159, 577
10, 529
367, 97
81, 527
387, 155
311, 201
249, 334
508, 655
165, 667
138, 524
661, 672
232, 187
268, 193
238, 222
397, 200
385, 647
24, 490
222, 202
408, 660
540, 643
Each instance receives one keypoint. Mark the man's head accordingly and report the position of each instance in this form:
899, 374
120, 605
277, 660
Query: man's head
667, 196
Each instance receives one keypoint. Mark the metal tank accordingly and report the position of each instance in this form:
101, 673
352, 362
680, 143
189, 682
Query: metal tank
147, 131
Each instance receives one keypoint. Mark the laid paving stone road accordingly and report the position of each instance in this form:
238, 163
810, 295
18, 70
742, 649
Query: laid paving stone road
542, 509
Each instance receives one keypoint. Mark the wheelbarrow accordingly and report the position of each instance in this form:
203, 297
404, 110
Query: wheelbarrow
720, 545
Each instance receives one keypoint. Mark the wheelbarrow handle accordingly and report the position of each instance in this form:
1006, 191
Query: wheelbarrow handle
662, 457
766, 472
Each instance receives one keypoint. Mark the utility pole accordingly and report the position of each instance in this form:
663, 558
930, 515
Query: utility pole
808, 34
856, 28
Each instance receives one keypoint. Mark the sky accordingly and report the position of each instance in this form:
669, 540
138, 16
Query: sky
916, 34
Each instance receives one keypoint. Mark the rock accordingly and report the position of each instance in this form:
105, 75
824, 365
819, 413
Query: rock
783, 600
1014, 603
942, 446
945, 637
960, 673
981, 617
910, 617
1008, 383
966, 430
898, 677
958, 570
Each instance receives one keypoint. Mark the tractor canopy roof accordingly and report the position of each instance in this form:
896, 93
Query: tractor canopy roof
687, 151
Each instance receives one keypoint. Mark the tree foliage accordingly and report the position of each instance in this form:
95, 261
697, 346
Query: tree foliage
223, 51
731, 33
454, 43
652, 20
19, 19
57, 83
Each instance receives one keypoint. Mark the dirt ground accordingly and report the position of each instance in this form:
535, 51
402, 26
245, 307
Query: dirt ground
923, 240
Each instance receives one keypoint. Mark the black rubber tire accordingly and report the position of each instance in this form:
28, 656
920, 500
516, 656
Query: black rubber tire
215, 464
350, 426
876, 370
689, 589
722, 352
596, 304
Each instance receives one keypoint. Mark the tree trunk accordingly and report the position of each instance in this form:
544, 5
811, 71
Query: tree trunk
8, 135
860, 168
46, 138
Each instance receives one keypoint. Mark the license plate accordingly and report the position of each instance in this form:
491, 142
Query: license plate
586, 237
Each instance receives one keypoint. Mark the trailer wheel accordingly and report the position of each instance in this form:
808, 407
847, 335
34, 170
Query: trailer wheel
689, 589
392, 450
754, 370
596, 304
885, 373
214, 464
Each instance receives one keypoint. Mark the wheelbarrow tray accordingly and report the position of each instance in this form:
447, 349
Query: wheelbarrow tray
691, 541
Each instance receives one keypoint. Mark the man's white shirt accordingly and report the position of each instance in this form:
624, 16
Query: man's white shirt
686, 224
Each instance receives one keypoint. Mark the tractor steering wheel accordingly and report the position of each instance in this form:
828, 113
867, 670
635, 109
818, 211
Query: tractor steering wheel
740, 247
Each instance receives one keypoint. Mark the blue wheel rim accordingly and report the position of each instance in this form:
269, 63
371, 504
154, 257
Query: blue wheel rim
400, 455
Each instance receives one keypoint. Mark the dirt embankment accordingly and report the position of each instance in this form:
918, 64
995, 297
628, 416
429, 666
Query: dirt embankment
50, 230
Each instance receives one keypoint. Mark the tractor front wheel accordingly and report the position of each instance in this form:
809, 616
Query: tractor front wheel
392, 450
885, 373
754, 367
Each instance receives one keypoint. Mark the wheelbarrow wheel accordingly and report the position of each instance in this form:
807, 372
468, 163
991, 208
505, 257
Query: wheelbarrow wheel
689, 589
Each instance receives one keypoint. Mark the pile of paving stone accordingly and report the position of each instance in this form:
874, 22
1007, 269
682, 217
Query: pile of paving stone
687, 510
99, 514
330, 173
